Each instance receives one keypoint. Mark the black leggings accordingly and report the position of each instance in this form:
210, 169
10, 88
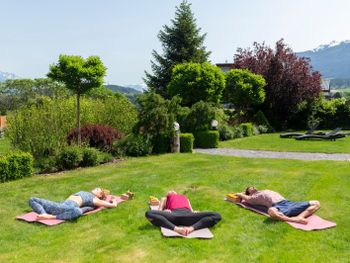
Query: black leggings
183, 217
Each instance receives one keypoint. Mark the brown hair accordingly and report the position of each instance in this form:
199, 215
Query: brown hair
104, 194
247, 190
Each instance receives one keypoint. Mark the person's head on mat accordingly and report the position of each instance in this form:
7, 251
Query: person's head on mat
100, 193
175, 212
250, 190
279, 207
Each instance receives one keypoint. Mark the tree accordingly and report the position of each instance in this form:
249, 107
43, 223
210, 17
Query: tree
194, 82
79, 75
290, 79
244, 88
181, 42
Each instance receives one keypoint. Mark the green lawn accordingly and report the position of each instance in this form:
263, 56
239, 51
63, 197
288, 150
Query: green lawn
272, 142
124, 235
4, 145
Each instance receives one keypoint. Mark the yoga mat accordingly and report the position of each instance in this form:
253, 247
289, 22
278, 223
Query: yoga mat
201, 233
314, 222
32, 216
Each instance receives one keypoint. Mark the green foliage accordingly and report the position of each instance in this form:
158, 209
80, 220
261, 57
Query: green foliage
181, 42
247, 129
244, 88
15, 165
238, 132
207, 139
161, 143
194, 82
69, 158
132, 145
262, 129
260, 119
156, 115
186, 142
42, 129
18, 93
90, 157
47, 164
200, 117
226, 132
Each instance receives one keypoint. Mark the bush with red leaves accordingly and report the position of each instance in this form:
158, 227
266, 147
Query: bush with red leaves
95, 135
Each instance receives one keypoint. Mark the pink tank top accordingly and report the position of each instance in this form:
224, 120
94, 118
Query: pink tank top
175, 201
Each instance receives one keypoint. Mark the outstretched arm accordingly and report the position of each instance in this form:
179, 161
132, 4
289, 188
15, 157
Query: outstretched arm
243, 196
102, 203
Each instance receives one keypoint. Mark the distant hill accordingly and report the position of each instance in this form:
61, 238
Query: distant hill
122, 89
332, 60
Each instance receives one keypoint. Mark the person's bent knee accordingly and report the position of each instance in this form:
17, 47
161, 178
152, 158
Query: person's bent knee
32, 200
272, 212
217, 217
149, 214
315, 203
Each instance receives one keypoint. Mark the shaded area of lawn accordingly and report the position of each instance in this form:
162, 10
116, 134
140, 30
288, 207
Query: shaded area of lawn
124, 235
272, 142
4, 146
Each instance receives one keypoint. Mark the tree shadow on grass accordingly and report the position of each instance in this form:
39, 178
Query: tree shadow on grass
146, 227
270, 221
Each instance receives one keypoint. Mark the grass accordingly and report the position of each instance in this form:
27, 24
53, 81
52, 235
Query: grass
272, 142
4, 145
124, 235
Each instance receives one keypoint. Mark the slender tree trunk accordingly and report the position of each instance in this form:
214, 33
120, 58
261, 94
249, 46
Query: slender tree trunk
78, 119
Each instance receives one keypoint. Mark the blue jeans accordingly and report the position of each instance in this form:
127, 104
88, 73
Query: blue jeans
290, 208
66, 210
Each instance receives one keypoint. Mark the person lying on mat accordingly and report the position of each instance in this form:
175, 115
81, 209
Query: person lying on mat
73, 207
280, 208
175, 213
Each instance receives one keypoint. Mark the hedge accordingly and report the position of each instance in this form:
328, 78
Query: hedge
247, 129
186, 142
15, 165
207, 139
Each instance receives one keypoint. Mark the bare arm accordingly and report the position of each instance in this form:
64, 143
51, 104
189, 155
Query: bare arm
243, 196
190, 205
102, 203
162, 203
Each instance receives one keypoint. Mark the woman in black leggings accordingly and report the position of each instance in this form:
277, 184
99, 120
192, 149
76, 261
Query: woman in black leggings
175, 213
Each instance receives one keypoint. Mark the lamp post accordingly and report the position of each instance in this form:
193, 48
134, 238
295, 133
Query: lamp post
176, 139
214, 124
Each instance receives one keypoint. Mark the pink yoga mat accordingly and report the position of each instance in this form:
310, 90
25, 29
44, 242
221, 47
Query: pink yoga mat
32, 216
314, 222
201, 233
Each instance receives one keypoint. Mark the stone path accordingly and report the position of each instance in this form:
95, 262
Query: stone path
276, 155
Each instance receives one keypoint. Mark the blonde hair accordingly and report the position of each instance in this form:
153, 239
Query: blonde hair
104, 192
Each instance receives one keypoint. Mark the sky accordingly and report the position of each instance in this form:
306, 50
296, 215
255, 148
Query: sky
124, 33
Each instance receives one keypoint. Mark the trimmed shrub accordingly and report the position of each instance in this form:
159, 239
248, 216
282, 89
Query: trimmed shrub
262, 129
238, 132
104, 157
226, 132
186, 142
133, 145
90, 157
247, 128
47, 164
95, 135
207, 139
70, 157
15, 165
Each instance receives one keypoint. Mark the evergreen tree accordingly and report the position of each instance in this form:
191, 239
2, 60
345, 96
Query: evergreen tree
181, 42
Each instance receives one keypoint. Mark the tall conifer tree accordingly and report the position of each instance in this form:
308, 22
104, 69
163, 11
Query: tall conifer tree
181, 42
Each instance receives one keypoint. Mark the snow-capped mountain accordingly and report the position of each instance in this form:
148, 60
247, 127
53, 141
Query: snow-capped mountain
5, 75
332, 60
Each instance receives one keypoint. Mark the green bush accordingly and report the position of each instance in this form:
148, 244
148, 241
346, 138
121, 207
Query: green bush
89, 157
262, 129
161, 143
247, 129
226, 132
238, 132
133, 145
207, 139
70, 157
260, 119
15, 165
46, 164
41, 129
186, 142
104, 157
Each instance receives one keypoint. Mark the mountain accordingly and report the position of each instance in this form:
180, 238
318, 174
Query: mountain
122, 89
5, 75
332, 60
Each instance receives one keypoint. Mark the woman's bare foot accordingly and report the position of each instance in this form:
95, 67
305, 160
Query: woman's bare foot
189, 230
45, 216
299, 220
180, 230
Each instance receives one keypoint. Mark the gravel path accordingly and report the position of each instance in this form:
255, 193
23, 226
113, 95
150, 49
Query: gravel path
276, 155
